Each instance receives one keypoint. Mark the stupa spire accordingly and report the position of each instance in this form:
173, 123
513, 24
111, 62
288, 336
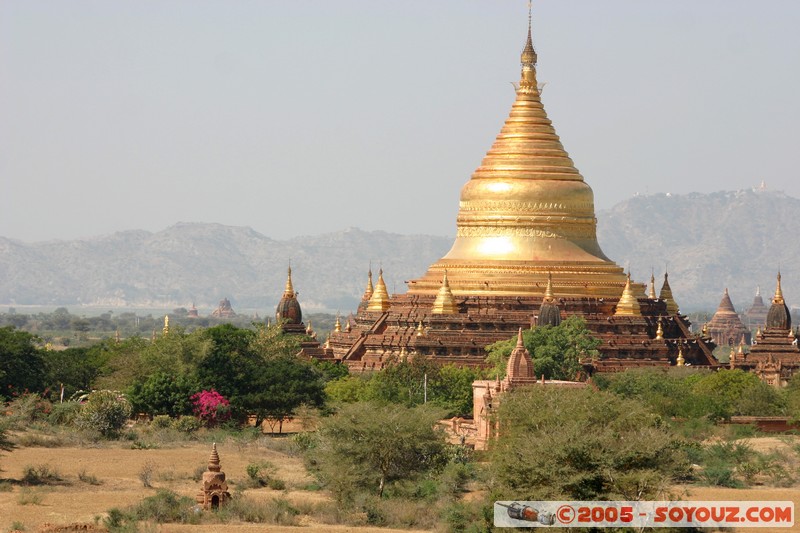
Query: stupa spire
213, 459
379, 301
778, 316
519, 363
288, 291
370, 289
528, 57
526, 211
548, 291
666, 295
651, 293
778, 298
445, 303
628, 303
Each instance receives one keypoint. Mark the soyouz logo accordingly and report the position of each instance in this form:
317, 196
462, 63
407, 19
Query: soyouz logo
765, 514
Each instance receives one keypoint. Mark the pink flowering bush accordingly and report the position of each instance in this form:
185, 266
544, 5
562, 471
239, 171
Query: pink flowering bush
211, 407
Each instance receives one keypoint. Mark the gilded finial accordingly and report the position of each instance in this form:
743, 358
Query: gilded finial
309, 329
628, 304
651, 293
338, 326
327, 343
659, 331
666, 295
705, 329
548, 291
778, 298
528, 57
528, 60
379, 301
445, 302
370, 289
420, 329
681, 361
288, 291
165, 330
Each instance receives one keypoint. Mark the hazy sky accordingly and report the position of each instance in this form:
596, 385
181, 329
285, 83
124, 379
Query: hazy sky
299, 117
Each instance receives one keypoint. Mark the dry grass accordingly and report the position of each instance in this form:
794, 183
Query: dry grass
118, 467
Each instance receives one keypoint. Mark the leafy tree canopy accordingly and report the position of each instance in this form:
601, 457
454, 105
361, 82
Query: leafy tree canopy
696, 393
367, 445
21, 363
404, 382
164, 394
582, 444
555, 350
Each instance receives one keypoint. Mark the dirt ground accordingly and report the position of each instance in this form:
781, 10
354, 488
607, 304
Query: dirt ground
118, 470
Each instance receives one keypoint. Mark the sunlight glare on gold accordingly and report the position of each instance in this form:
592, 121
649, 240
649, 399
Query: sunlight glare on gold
496, 246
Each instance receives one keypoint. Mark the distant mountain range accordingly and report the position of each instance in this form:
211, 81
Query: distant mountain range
708, 241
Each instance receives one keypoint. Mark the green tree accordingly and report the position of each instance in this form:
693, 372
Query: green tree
229, 362
277, 388
405, 382
349, 389
259, 372
74, 368
21, 363
122, 363
555, 350
104, 411
740, 393
793, 398
367, 445
163, 394
581, 444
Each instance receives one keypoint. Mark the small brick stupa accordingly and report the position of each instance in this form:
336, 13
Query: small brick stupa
214, 493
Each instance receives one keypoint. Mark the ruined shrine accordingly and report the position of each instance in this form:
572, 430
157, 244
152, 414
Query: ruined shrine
214, 490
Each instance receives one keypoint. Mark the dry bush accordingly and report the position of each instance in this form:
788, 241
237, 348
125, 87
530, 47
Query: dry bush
87, 478
42, 474
28, 496
146, 474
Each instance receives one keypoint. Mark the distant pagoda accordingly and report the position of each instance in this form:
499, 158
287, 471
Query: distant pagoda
757, 314
725, 327
774, 355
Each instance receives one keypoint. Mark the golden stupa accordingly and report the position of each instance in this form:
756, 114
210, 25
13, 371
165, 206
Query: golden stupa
526, 212
526, 253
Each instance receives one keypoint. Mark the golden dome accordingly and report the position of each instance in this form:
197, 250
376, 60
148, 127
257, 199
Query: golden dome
525, 212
